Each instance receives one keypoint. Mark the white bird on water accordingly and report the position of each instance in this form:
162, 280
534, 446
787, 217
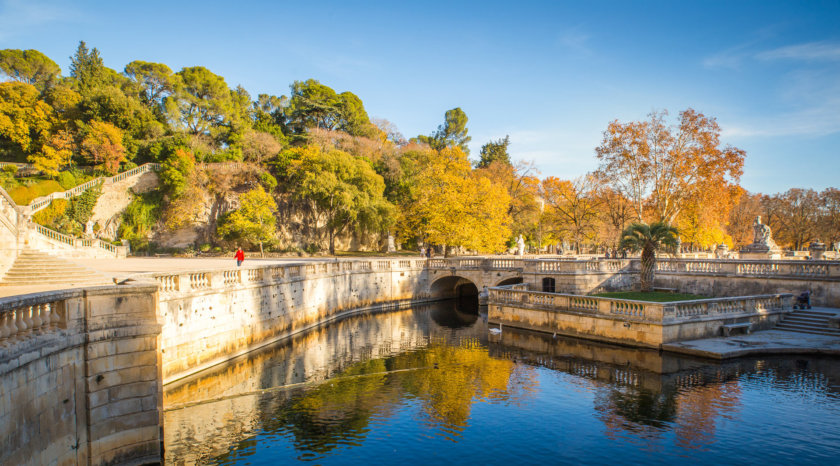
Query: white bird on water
496, 331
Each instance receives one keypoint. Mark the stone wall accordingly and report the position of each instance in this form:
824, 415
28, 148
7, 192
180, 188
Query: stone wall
80, 377
213, 316
635, 323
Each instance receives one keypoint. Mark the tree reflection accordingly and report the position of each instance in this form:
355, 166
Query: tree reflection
447, 380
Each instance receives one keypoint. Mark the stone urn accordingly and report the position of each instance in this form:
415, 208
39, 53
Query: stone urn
817, 250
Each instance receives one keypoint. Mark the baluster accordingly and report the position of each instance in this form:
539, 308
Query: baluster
19, 322
37, 322
27, 317
5, 326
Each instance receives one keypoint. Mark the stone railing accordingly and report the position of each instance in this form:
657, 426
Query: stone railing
231, 278
37, 316
482, 263
79, 243
639, 311
750, 268
42, 202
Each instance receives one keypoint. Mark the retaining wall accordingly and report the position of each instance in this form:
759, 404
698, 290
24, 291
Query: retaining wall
80, 377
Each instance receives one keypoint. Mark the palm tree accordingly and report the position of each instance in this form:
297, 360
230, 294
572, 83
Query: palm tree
650, 239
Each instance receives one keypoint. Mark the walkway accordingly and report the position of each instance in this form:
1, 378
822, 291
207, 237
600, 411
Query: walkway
761, 342
121, 269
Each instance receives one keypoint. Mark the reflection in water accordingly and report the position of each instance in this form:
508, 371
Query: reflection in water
429, 385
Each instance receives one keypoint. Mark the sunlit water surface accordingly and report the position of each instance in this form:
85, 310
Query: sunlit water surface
431, 386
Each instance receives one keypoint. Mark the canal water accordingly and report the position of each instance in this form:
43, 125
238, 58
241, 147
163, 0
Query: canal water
432, 385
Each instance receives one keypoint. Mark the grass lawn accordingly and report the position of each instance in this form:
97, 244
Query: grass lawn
655, 296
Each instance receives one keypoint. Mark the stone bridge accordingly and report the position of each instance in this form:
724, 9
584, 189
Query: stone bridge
468, 276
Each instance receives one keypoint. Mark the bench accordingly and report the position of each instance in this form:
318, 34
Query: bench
664, 290
727, 328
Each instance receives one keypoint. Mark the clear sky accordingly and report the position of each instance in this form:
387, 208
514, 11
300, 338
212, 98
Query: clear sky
550, 74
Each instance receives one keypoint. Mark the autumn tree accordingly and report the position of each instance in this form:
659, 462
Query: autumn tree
793, 216
742, 215
522, 186
615, 213
25, 120
102, 145
572, 207
446, 204
259, 147
661, 167
342, 189
254, 221
55, 154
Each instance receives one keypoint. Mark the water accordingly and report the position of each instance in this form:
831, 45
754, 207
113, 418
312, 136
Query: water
431, 386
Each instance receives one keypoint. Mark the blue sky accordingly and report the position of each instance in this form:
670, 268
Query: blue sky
552, 75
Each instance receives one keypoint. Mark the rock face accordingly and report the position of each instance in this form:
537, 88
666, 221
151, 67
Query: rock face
763, 246
115, 198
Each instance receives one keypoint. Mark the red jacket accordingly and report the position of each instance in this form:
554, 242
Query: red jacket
240, 255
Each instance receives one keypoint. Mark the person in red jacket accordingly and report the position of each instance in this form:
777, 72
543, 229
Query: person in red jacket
240, 256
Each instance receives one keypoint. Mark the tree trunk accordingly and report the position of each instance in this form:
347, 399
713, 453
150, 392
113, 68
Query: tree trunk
648, 265
332, 241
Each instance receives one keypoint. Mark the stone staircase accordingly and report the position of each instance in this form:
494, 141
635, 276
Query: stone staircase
37, 268
813, 321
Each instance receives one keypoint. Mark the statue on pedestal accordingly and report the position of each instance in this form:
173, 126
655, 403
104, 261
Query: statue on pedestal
763, 246
520, 246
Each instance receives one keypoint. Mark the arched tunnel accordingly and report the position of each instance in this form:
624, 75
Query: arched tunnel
462, 291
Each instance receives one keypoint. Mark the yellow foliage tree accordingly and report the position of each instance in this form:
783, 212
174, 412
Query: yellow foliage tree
450, 205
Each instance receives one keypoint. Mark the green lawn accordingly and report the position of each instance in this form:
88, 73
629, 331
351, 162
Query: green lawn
655, 296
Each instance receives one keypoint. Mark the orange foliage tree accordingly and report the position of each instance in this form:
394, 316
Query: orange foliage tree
663, 167
103, 145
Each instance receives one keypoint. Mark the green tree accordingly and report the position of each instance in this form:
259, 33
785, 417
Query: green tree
314, 105
452, 133
28, 66
176, 171
649, 239
154, 80
88, 70
254, 221
495, 151
343, 189
203, 100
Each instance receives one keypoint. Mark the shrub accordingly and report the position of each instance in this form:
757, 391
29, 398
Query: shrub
67, 180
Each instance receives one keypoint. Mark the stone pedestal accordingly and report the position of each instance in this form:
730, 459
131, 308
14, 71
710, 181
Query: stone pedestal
760, 254
817, 250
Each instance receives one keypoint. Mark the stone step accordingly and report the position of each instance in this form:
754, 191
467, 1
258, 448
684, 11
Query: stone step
827, 332
787, 324
804, 319
38, 268
815, 313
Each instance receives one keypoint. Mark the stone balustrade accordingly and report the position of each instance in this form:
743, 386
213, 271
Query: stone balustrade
751, 268
632, 310
250, 276
630, 321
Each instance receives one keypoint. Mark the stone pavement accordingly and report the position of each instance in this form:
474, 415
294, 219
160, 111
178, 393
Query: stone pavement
761, 342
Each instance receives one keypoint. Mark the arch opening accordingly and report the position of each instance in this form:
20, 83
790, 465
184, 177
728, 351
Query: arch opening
510, 281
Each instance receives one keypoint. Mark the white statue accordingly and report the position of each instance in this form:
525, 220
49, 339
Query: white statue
391, 246
520, 246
